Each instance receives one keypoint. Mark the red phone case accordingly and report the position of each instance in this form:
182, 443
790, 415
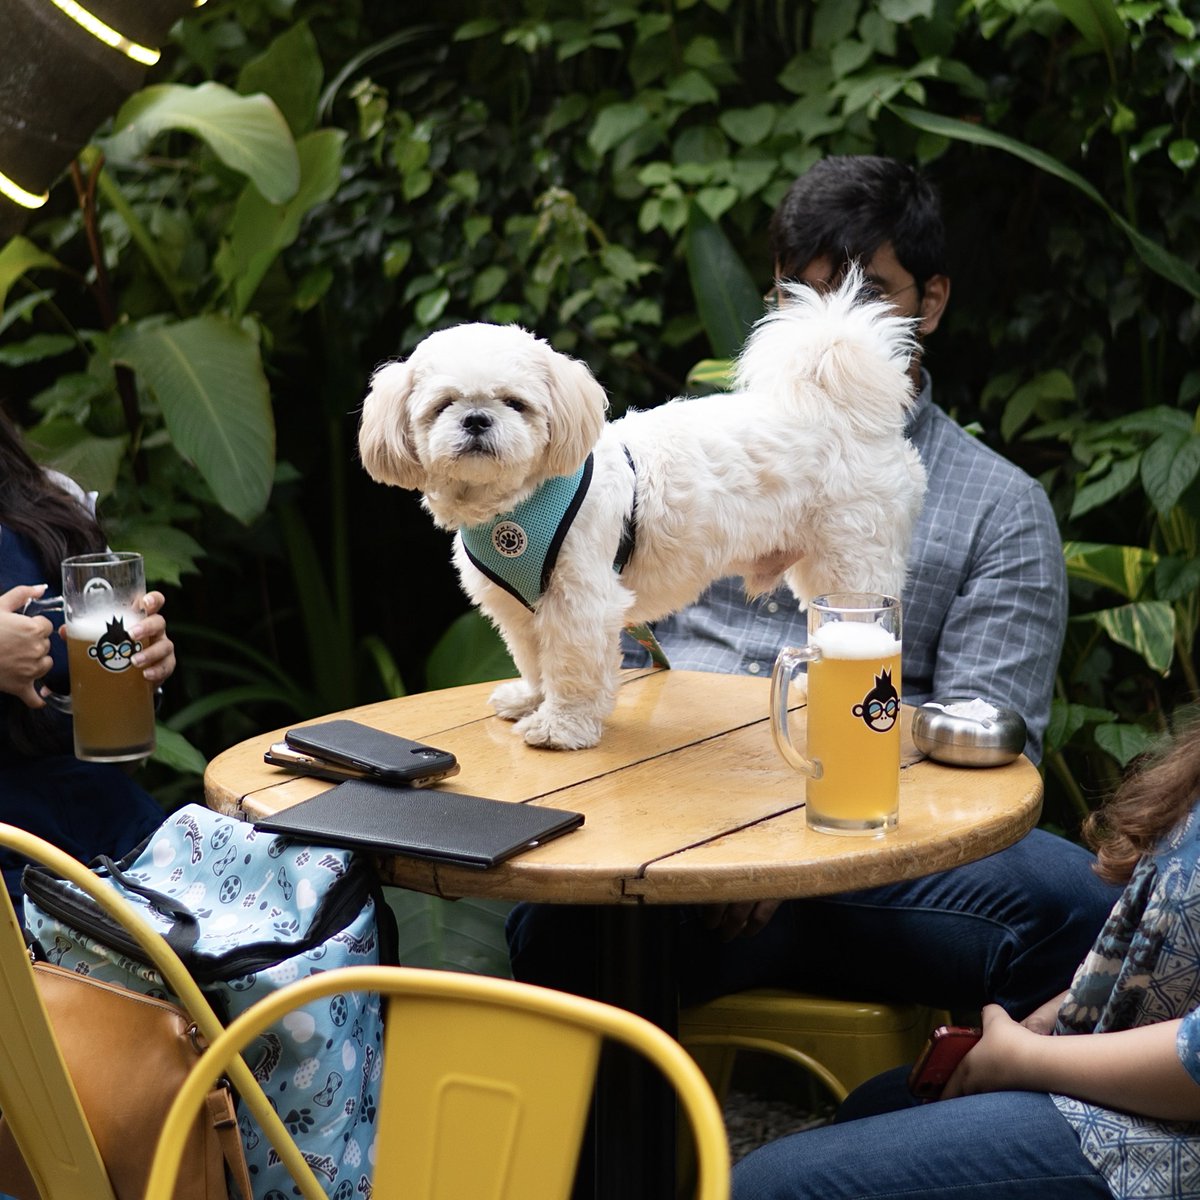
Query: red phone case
942, 1053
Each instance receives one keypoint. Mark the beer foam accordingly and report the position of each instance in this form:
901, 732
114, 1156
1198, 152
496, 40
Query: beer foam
92, 626
855, 639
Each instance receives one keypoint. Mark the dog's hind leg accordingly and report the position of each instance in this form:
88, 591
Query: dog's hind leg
861, 552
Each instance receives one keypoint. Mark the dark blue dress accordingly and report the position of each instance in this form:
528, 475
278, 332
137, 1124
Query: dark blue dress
83, 808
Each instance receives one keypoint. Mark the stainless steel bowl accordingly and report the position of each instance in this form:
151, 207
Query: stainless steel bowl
964, 741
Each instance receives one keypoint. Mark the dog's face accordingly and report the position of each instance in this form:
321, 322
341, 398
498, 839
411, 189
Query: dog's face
479, 409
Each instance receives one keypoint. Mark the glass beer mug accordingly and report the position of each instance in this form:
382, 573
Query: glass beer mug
853, 666
111, 703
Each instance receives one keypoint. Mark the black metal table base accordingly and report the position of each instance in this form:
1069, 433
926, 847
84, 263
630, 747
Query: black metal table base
634, 1114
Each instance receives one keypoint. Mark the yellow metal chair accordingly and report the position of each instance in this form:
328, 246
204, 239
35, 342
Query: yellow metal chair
840, 1042
486, 1084
37, 1096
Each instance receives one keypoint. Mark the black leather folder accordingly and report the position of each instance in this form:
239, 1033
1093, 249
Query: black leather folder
469, 831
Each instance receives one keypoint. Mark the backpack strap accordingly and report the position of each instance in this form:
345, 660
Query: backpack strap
223, 1118
185, 928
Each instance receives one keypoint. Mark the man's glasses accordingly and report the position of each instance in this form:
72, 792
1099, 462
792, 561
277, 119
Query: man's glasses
870, 292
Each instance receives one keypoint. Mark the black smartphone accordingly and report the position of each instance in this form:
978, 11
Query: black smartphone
947, 1046
386, 757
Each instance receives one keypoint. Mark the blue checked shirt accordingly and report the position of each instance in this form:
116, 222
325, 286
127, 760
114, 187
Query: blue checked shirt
985, 607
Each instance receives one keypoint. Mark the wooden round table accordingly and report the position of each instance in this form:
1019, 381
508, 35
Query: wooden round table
686, 801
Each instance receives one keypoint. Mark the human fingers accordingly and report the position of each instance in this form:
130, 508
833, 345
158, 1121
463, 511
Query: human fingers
982, 1067
149, 629
16, 598
156, 660
30, 696
739, 919
760, 916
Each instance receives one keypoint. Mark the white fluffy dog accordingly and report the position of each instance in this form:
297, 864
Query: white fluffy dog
804, 475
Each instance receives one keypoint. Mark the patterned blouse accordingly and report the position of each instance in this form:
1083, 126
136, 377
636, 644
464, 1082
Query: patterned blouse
1144, 968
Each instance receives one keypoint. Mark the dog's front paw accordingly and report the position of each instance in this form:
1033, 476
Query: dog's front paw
559, 730
515, 699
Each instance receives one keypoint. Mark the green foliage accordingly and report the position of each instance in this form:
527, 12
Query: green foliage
305, 190
463, 935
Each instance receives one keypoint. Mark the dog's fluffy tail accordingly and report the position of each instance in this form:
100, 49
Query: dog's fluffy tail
854, 350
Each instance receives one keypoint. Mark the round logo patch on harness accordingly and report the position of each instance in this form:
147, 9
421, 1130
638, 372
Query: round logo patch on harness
510, 539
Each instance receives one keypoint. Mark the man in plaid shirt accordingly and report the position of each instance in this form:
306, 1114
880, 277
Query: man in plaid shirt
984, 614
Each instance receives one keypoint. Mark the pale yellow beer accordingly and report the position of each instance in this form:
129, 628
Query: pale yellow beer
111, 701
851, 762
854, 727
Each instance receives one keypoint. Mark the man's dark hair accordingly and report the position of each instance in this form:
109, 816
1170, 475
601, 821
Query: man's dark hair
845, 207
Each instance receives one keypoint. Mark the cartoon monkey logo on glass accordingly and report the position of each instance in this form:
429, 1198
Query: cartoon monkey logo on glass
115, 649
881, 705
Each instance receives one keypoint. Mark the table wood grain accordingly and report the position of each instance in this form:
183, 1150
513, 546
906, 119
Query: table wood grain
685, 800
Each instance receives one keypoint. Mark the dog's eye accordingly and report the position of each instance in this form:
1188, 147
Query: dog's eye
441, 408
516, 405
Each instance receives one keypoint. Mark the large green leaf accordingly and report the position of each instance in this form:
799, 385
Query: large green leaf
470, 651
1124, 742
18, 256
711, 375
1097, 21
174, 750
1146, 628
260, 229
290, 72
327, 633
247, 133
64, 445
1170, 465
459, 935
1066, 720
208, 378
169, 552
1159, 260
1107, 485
1123, 569
726, 298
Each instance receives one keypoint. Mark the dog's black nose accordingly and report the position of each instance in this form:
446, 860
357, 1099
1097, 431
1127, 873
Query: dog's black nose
477, 422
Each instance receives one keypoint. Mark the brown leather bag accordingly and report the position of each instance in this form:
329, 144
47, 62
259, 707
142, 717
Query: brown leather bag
128, 1055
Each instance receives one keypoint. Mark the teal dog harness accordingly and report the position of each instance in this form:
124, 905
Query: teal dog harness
517, 550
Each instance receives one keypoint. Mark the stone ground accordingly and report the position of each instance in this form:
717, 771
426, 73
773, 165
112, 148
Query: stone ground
767, 1098
753, 1120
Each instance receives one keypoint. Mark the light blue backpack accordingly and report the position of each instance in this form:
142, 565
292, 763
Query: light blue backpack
249, 911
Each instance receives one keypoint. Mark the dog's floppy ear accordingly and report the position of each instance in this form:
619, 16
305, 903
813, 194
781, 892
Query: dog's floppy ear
577, 408
384, 441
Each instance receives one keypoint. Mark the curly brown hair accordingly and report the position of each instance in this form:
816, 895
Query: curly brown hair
1153, 798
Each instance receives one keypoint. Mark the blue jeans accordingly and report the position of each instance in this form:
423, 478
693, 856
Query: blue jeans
1009, 929
989, 1147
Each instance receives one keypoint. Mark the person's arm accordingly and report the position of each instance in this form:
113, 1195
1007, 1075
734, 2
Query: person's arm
24, 646
1134, 1070
1003, 633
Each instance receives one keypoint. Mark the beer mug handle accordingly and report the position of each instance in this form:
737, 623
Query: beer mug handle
787, 663
39, 608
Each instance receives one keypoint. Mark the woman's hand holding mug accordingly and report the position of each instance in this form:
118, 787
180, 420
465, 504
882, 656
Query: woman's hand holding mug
108, 612
24, 645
